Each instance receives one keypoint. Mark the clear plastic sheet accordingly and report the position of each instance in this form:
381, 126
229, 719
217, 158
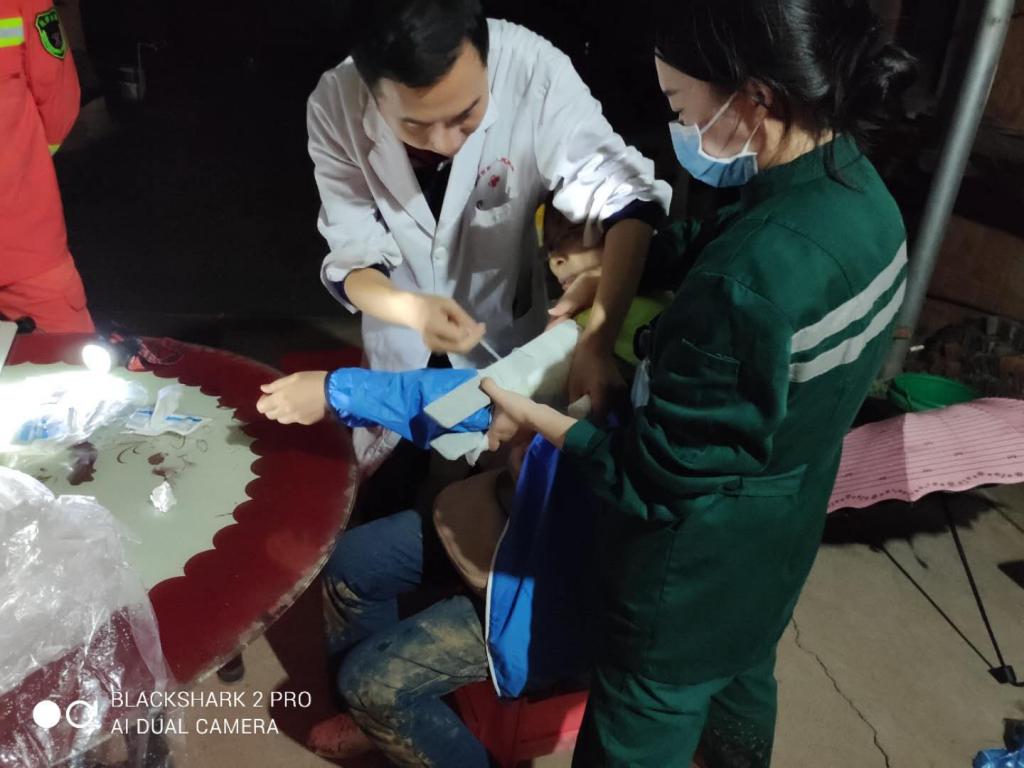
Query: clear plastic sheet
44, 413
79, 646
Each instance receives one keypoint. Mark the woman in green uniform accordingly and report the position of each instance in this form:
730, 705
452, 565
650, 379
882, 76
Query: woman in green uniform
716, 490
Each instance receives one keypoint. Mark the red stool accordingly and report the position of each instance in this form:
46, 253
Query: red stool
524, 729
515, 731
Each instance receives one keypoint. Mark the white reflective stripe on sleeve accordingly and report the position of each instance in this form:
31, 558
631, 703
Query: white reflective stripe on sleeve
851, 349
852, 310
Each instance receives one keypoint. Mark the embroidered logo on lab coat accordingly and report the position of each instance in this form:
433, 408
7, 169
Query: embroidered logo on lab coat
494, 184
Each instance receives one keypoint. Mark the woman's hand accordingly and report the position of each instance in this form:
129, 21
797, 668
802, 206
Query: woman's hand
295, 399
512, 414
444, 325
515, 415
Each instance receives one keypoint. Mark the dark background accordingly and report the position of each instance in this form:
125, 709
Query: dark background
200, 201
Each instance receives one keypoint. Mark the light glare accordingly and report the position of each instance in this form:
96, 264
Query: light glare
97, 358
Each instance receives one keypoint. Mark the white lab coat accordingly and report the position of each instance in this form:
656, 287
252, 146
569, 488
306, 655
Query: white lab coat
542, 131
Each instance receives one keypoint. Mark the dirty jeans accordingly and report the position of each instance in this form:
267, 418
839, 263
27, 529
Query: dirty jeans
393, 673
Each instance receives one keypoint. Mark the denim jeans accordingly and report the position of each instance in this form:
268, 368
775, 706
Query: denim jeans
393, 673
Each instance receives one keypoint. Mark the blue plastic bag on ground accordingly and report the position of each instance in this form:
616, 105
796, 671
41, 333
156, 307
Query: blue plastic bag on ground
395, 400
1013, 757
999, 758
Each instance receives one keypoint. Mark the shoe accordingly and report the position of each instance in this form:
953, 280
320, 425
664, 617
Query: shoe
338, 738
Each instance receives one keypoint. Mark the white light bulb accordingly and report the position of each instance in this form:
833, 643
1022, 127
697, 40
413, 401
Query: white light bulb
97, 358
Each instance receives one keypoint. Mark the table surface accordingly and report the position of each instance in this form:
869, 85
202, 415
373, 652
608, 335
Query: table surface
271, 501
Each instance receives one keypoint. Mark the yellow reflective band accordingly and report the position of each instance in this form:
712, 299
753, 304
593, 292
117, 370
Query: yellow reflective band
12, 32
54, 148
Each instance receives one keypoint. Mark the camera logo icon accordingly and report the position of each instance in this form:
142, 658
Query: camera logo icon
78, 714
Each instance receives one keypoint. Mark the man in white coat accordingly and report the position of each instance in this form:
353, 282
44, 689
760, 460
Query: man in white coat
433, 145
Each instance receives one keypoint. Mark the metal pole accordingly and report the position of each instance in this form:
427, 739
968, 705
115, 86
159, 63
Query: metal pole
956, 152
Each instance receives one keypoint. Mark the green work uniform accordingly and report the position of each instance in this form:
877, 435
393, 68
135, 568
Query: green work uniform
716, 492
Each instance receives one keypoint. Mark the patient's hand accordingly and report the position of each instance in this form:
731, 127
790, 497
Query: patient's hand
295, 399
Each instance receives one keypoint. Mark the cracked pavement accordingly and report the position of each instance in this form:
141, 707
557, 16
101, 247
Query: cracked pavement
886, 661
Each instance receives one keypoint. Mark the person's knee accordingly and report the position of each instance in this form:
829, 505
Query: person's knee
364, 683
345, 565
362, 552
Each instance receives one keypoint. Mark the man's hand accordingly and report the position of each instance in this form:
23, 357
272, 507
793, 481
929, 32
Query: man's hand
578, 296
444, 325
295, 399
593, 372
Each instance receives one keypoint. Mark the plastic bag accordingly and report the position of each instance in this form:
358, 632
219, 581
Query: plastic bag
163, 416
1012, 757
999, 758
396, 401
78, 638
43, 413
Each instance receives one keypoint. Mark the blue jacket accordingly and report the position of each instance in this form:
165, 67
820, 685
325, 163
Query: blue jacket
538, 597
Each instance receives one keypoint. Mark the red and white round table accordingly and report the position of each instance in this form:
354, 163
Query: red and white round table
255, 552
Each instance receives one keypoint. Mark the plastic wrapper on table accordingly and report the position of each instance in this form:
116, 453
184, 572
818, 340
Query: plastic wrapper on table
79, 647
396, 401
43, 413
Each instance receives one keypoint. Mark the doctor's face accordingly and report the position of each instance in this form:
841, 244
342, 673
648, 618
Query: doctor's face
440, 117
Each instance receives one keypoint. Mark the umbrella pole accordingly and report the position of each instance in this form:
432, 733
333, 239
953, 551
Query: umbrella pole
1003, 673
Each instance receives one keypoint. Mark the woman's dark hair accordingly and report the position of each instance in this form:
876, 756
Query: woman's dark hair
824, 60
414, 42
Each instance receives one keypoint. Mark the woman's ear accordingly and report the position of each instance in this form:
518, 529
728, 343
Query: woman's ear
759, 93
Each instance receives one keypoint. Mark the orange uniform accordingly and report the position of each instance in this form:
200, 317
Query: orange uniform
39, 99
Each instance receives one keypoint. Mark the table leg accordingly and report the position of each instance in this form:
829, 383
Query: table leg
233, 671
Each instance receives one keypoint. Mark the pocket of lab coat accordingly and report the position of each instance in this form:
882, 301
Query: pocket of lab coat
493, 217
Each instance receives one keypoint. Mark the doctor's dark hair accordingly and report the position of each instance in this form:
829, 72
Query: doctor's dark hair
824, 60
414, 42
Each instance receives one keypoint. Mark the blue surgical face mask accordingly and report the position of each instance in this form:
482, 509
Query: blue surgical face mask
688, 142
